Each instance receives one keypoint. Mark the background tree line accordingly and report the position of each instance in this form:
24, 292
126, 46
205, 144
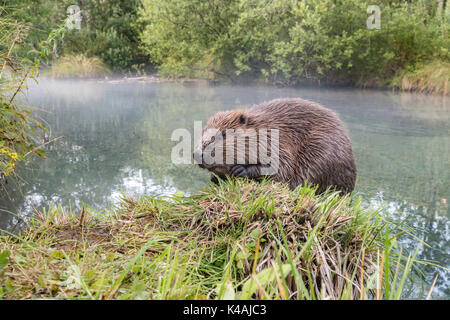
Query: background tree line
277, 41
290, 42
109, 29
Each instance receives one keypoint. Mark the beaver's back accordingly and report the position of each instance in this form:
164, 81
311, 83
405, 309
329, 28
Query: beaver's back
295, 111
314, 144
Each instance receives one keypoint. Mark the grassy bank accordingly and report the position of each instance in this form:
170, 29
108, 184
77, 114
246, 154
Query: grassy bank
432, 77
79, 66
239, 240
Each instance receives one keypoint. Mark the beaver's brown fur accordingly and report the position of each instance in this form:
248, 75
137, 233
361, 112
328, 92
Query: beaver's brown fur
313, 144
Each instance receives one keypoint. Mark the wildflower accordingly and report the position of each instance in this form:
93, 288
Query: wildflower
11, 164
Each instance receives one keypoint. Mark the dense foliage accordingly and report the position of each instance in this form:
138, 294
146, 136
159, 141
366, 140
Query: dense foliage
293, 41
109, 29
277, 41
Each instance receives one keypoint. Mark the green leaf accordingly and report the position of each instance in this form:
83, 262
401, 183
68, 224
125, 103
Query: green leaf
41, 153
4, 259
255, 233
227, 290
265, 277
178, 194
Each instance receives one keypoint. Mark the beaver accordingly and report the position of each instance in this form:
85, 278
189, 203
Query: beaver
312, 145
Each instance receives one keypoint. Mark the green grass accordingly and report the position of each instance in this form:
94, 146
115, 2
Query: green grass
237, 240
79, 66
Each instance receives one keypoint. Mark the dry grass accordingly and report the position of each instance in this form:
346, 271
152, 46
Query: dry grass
430, 78
79, 66
238, 240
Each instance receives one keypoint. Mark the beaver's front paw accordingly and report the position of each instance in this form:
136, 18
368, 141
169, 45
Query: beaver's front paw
239, 171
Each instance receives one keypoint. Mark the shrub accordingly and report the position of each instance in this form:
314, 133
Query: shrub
17, 126
109, 31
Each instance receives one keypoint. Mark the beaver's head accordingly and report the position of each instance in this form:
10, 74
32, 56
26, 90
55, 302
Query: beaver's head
219, 135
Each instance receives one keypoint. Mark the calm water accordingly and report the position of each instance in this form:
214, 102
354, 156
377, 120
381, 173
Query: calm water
116, 138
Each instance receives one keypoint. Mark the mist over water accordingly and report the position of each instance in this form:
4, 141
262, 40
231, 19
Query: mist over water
116, 137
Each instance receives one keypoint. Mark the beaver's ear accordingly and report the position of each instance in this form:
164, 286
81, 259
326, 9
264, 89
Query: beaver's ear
243, 119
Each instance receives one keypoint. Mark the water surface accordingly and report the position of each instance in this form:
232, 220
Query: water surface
116, 137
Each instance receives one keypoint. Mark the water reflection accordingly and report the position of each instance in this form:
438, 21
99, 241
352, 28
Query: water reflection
116, 138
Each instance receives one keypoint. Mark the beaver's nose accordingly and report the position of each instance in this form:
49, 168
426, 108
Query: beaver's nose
197, 154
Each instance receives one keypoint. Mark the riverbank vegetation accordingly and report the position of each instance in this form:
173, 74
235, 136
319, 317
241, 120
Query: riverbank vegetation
312, 42
236, 240
108, 30
432, 77
18, 127
79, 66
296, 42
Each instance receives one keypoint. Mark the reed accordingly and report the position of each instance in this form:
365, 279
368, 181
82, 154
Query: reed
432, 77
79, 66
